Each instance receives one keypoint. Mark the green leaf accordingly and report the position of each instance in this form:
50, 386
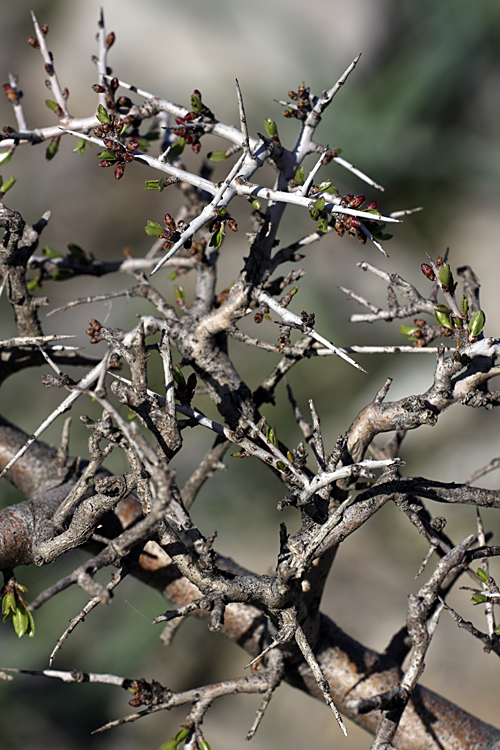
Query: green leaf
182, 734
478, 598
153, 229
8, 184
51, 105
482, 575
178, 375
61, 274
299, 177
322, 225
33, 284
80, 146
144, 144
196, 103
9, 605
217, 237
21, 620
52, 149
319, 204
106, 154
476, 323
75, 251
5, 157
160, 184
443, 319
271, 128
50, 252
217, 156
179, 293
177, 148
204, 745
102, 115
408, 331
170, 745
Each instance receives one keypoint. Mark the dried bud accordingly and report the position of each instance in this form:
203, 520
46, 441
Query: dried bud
33, 42
110, 40
44, 29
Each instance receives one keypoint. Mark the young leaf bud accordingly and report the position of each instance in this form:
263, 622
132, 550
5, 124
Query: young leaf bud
271, 128
476, 323
445, 277
443, 319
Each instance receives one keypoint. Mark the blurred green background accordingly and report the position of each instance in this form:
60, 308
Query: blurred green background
420, 115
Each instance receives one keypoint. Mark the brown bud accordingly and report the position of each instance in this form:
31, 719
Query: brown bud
44, 29
110, 39
33, 42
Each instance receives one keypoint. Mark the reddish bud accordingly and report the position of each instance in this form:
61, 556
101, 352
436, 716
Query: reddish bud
232, 225
110, 39
357, 201
119, 171
258, 318
33, 42
196, 92
113, 84
44, 29
49, 69
196, 147
427, 271
128, 158
189, 139
10, 93
372, 206
169, 222
105, 163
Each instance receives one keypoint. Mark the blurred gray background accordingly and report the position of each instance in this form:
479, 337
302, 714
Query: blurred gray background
420, 115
